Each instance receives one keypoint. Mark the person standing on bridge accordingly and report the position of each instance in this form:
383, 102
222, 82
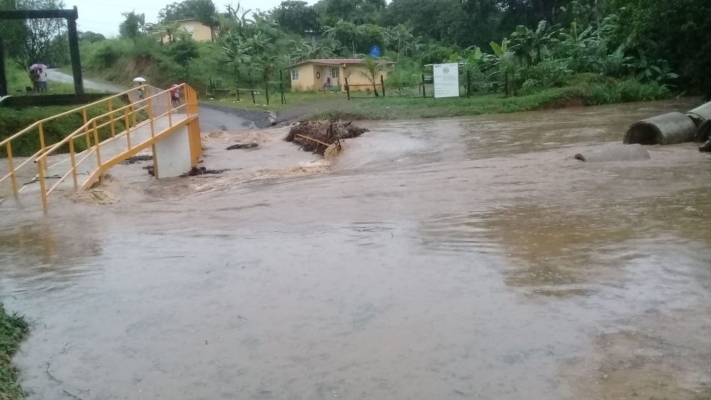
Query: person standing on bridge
175, 95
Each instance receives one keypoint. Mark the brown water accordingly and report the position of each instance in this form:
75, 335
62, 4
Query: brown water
437, 259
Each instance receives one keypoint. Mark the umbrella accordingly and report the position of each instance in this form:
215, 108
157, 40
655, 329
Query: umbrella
37, 66
139, 79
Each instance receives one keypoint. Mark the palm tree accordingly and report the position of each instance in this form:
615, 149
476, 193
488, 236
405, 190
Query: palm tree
371, 72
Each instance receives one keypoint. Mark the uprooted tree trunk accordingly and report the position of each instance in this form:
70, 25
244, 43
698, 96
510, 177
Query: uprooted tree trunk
324, 134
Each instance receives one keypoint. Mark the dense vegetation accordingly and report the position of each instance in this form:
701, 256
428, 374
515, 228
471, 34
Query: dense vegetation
13, 330
37, 40
507, 45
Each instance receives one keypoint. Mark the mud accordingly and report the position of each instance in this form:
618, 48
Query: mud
137, 159
197, 171
437, 259
241, 146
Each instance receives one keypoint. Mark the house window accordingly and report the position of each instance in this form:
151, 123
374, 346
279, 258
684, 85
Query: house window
334, 72
294, 74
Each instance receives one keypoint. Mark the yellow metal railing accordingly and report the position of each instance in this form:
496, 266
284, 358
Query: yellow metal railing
38, 128
154, 107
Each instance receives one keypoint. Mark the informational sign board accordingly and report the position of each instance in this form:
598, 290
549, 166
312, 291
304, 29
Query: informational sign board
375, 51
446, 80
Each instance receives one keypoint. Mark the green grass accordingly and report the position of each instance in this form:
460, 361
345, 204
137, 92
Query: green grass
292, 99
13, 330
408, 107
580, 90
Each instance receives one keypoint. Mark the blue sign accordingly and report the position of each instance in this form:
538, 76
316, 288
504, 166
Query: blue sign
375, 51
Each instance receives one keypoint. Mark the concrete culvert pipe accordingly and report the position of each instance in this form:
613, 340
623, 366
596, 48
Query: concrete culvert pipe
703, 134
700, 113
669, 128
617, 152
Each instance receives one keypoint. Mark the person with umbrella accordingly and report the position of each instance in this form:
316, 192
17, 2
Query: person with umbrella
38, 73
140, 82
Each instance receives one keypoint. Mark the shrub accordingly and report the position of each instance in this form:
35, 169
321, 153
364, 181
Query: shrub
548, 73
105, 56
628, 90
404, 76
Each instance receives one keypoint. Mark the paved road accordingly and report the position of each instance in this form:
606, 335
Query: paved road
56, 75
211, 118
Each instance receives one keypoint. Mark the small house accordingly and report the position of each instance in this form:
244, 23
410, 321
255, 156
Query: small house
315, 75
199, 31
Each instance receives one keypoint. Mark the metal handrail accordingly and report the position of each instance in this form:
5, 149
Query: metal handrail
72, 111
82, 129
7, 142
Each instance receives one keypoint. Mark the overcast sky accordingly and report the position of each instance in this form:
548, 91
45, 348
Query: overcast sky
104, 16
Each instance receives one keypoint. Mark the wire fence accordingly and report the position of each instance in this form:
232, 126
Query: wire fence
363, 91
266, 94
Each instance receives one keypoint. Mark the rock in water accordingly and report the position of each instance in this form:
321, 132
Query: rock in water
614, 152
242, 146
195, 171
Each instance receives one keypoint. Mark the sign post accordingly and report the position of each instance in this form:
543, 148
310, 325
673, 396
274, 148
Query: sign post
446, 80
375, 52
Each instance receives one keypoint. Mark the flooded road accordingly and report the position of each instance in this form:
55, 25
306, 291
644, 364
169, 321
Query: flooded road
437, 259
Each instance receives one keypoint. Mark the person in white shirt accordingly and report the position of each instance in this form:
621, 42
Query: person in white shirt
42, 80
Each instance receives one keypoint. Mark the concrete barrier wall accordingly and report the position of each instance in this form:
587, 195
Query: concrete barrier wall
172, 154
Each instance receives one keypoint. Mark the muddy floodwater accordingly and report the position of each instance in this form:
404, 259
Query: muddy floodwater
467, 258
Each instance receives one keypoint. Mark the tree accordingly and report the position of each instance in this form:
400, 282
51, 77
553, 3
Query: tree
133, 25
91, 37
184, 51
345, 32
678, 31
308, 49
40, 39
532, 45
14, 33
297, 17
504, 63
235, 20
454, 22
400, 39
355, 11
236, 51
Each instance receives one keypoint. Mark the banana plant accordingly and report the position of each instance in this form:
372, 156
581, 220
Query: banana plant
533, 46
475, 58
236, 51
503, 62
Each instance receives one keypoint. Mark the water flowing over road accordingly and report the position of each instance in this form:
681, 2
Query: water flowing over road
435, 259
